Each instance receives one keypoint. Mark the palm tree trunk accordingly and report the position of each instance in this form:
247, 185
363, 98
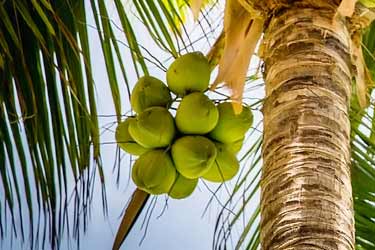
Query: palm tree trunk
306, 200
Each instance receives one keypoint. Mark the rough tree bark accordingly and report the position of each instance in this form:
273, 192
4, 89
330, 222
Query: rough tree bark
306, 200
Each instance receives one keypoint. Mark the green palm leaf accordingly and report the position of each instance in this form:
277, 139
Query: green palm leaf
49, 130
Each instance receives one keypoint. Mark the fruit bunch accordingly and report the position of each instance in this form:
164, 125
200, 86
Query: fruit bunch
200, 141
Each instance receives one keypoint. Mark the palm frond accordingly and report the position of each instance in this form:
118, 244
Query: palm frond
133, 210
49, 139
49, 128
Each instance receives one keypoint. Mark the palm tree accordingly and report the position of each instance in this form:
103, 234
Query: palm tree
306, 154
318, 114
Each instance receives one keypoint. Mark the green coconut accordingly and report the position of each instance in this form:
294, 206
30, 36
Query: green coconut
236, 146
197, 114
231, 127
124, 139
148, 92
193, 155
225, 166
189, 73
182, 187
154, 172
154, 128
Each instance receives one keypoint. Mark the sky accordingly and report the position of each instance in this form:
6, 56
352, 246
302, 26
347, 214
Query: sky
174, 224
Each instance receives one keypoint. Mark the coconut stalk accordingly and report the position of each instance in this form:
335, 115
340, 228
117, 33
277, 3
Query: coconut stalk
306, 195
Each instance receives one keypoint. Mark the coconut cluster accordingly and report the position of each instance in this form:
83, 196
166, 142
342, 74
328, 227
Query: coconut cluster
200, 141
